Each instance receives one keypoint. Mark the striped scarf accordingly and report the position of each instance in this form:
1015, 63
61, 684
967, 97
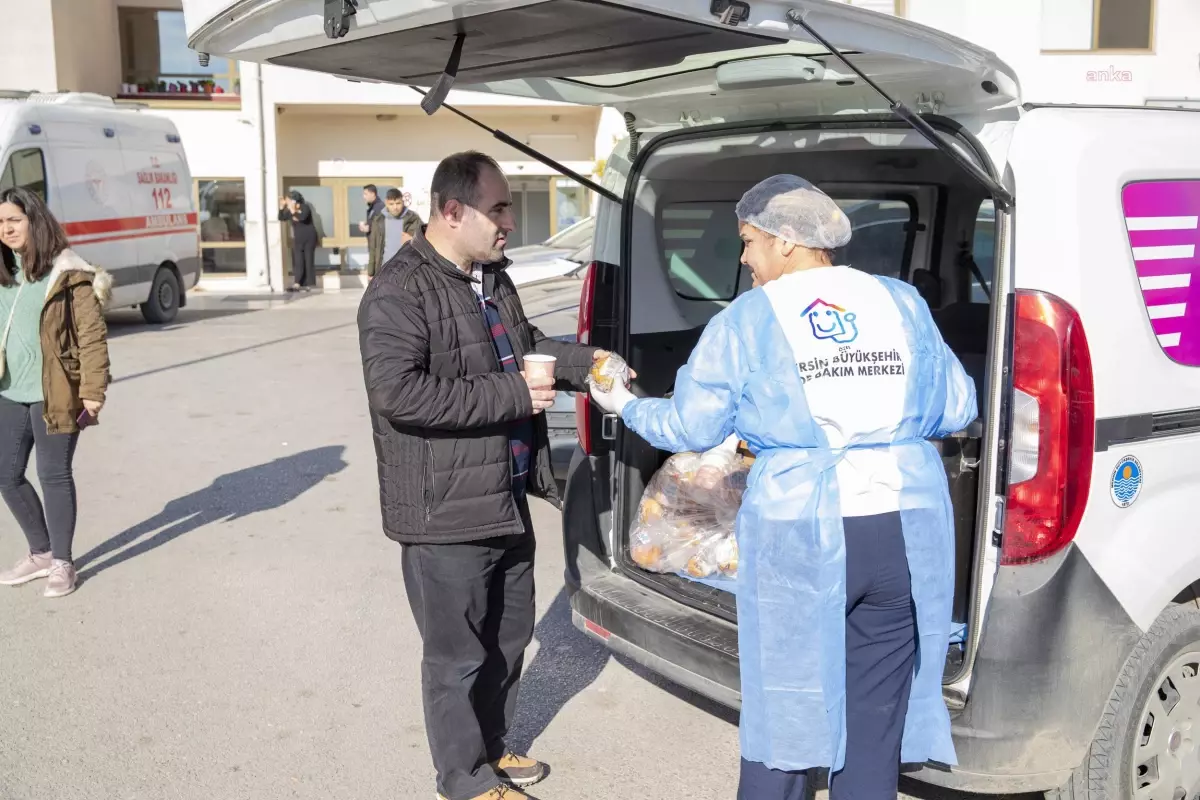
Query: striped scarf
520, 437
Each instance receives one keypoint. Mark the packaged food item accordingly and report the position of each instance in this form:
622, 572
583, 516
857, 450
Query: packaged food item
685, 523
607, 371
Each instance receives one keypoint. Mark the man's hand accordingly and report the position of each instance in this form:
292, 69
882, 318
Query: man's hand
364, 227
93, 407
541, 391
283, 203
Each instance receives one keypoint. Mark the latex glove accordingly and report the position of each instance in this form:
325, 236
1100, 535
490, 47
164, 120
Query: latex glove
613, 402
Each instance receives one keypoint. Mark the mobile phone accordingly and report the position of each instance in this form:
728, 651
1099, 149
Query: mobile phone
85, 419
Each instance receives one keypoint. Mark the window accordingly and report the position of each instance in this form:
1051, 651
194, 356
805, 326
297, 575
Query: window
357, 206
1161, 220
880, 234
576, 236
221, 207
157, 64
983, 251
27, 170
1092, 25
700, 245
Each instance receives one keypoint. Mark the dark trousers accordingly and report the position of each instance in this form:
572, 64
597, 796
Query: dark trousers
22, 428
304, 271
474, 609
881, 649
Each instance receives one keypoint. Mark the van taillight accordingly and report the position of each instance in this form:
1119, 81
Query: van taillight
584, 336
1053, 429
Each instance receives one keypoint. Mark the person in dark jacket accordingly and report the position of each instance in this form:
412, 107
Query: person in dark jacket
391, 229
294, 209
461, 442
374, 203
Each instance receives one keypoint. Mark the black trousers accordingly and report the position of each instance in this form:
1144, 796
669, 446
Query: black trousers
474, 607
304, 271
22, 428
881, 650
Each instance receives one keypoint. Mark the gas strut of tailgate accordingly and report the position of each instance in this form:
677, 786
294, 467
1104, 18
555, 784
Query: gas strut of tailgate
435, 98
1002, 197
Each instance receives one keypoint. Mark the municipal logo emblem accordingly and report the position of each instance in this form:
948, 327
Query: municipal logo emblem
1126, 482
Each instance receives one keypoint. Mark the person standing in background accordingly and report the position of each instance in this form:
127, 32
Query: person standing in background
294, 209
54, 354
390, 230
374, 206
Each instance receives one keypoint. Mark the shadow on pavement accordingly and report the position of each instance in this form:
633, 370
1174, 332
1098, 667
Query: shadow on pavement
568, 662
227, 353
228, 498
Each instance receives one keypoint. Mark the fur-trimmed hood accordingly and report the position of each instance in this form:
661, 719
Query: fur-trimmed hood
67, 262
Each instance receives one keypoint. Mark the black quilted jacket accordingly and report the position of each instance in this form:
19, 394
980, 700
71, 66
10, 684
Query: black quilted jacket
441, 405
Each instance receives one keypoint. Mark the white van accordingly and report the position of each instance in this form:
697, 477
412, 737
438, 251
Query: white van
118, 181
1058, 262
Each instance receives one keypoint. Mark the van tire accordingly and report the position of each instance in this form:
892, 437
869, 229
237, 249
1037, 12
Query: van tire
163, 303
1108, 764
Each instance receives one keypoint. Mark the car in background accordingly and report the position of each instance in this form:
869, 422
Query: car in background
534, 262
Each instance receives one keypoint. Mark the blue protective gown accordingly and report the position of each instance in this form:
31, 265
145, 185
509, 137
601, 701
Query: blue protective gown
837, 380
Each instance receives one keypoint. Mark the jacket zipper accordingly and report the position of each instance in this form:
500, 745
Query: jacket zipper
428, 477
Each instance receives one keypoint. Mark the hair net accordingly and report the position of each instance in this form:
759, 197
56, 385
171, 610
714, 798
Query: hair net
793, 209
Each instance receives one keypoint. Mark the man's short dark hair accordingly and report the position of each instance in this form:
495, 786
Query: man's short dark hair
370, 187
394, 194
457, 178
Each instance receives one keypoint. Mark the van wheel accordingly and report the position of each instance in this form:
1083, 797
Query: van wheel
1148, 744
163, 303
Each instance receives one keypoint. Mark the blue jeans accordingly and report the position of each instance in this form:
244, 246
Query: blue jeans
881, 650
22, 429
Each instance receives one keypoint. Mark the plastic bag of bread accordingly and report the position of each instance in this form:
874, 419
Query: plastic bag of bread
607, 371
685, 523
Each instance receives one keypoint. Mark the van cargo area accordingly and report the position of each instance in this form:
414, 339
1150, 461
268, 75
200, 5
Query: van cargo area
915, 215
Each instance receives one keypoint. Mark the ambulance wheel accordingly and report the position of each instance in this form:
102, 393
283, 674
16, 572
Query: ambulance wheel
1148, 743
163, 303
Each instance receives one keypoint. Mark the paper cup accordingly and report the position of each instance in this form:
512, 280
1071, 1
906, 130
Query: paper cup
538, 364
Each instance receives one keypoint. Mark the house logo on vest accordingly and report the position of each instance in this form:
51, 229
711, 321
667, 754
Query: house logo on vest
831, 322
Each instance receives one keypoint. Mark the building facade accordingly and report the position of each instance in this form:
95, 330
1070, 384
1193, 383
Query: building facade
253, 133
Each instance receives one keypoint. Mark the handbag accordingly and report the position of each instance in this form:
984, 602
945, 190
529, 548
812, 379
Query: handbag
4, 340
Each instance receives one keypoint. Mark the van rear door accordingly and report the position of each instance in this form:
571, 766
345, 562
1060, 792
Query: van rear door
707, 60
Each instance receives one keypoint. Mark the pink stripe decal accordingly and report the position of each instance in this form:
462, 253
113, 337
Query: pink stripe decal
1169, 199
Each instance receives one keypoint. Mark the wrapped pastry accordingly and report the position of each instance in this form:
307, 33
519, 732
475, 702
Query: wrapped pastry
607, 371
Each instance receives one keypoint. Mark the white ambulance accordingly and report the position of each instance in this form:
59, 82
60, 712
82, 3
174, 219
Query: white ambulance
1056, 246
118, 181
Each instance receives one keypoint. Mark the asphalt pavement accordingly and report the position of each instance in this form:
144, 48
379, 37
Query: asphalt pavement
241, 629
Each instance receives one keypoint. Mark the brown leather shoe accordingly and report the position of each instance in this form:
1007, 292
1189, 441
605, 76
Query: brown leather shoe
498, 793
519, 771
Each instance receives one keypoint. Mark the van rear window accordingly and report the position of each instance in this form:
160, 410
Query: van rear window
700, 245
1161, 218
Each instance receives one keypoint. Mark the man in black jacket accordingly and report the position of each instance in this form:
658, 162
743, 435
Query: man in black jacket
461, 440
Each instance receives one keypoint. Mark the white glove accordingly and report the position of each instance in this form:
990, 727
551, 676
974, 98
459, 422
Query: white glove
613, 402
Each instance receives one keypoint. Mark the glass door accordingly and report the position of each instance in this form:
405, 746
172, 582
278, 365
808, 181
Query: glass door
531, 209
571, 202
338, 206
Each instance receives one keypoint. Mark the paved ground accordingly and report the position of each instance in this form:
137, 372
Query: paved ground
242, 630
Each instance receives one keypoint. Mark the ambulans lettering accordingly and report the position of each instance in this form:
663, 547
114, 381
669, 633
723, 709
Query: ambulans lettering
167, 220
154, 176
